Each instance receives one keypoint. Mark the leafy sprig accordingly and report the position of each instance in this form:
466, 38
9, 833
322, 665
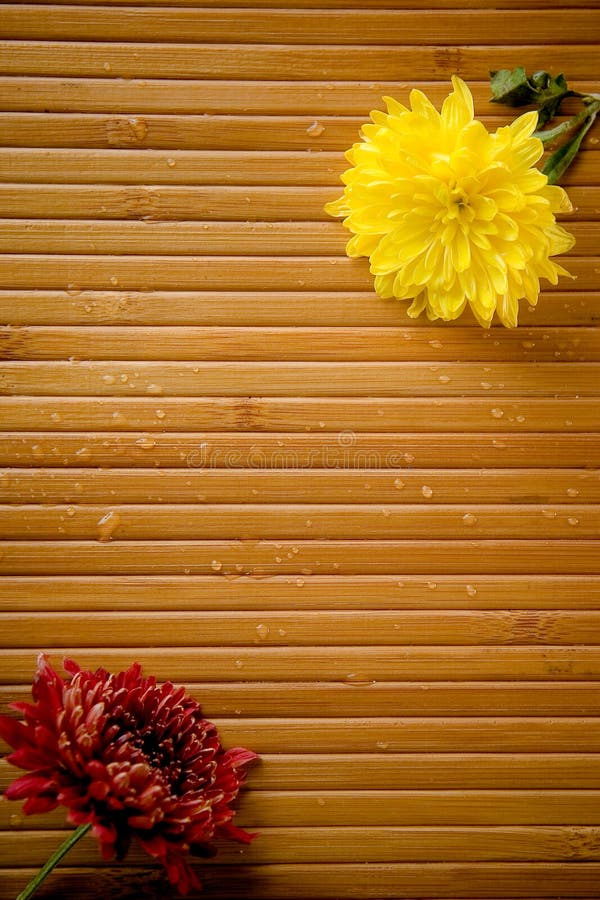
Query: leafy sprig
515, 88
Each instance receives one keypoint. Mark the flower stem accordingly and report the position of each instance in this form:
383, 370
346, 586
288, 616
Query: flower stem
53, 860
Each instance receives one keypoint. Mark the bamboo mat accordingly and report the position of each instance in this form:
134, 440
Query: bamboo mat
367, 544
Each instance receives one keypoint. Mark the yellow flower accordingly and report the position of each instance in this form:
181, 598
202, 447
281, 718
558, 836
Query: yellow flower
450, 214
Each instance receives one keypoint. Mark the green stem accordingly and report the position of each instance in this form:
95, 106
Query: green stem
550, 134
54, 859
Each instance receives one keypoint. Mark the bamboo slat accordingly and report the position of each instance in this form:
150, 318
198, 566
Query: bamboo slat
446, 881
172, 486
31, 165
254, 450
314, 592
75, 306
368, 545
297, 344
283, 26
259, 522
379, 665
378, 844
328, 62
224, 97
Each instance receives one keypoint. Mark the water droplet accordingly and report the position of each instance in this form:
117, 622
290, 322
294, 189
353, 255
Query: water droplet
399, 484
282, 632
432, 585
106, 66
471, 590
316, 129
83, 453
520, 419
427, 491
216, 566
572, 520
138, 127
114, 280
497, 413
358, 678
385, 512
572, 492
70, 510
444, 379
37, 452
107, 526
408, 457
262, 631
55, 417
528, 345
146, 443
308, 523
300, 582
321, 801
238, 664
485, 385
436, 345
469, 519
170, 162
382, 745
548, 514
108, 379
160, 413
154, 389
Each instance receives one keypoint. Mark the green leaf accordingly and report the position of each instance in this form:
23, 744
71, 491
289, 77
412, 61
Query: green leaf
512, 87
560, 161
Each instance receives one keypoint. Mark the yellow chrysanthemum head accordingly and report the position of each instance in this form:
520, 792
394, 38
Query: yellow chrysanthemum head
450, 214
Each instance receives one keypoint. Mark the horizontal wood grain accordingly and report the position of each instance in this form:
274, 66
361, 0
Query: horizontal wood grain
191, 132
319, 699
268, 667
227, 97
208, 238
204, 202
405, 771
327, 882
74, 306
255, 450
260, 558
311, 63
298, 414
214, 272
193, 167
308, 379
401, 734
393, 808
346, 592
375, 629
424, 734
378, 844
298, 344
426, 486
312, 521
331, 4
280, 26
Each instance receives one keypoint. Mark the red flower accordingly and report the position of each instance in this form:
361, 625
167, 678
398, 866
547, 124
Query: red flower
133, 758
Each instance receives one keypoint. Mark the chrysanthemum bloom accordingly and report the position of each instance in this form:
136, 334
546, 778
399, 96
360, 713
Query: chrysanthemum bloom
450, 214
130, 757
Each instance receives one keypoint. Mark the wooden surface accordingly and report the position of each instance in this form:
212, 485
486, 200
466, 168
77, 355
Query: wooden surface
368, 545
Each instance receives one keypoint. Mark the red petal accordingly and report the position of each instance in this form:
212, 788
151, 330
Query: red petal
14, 732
